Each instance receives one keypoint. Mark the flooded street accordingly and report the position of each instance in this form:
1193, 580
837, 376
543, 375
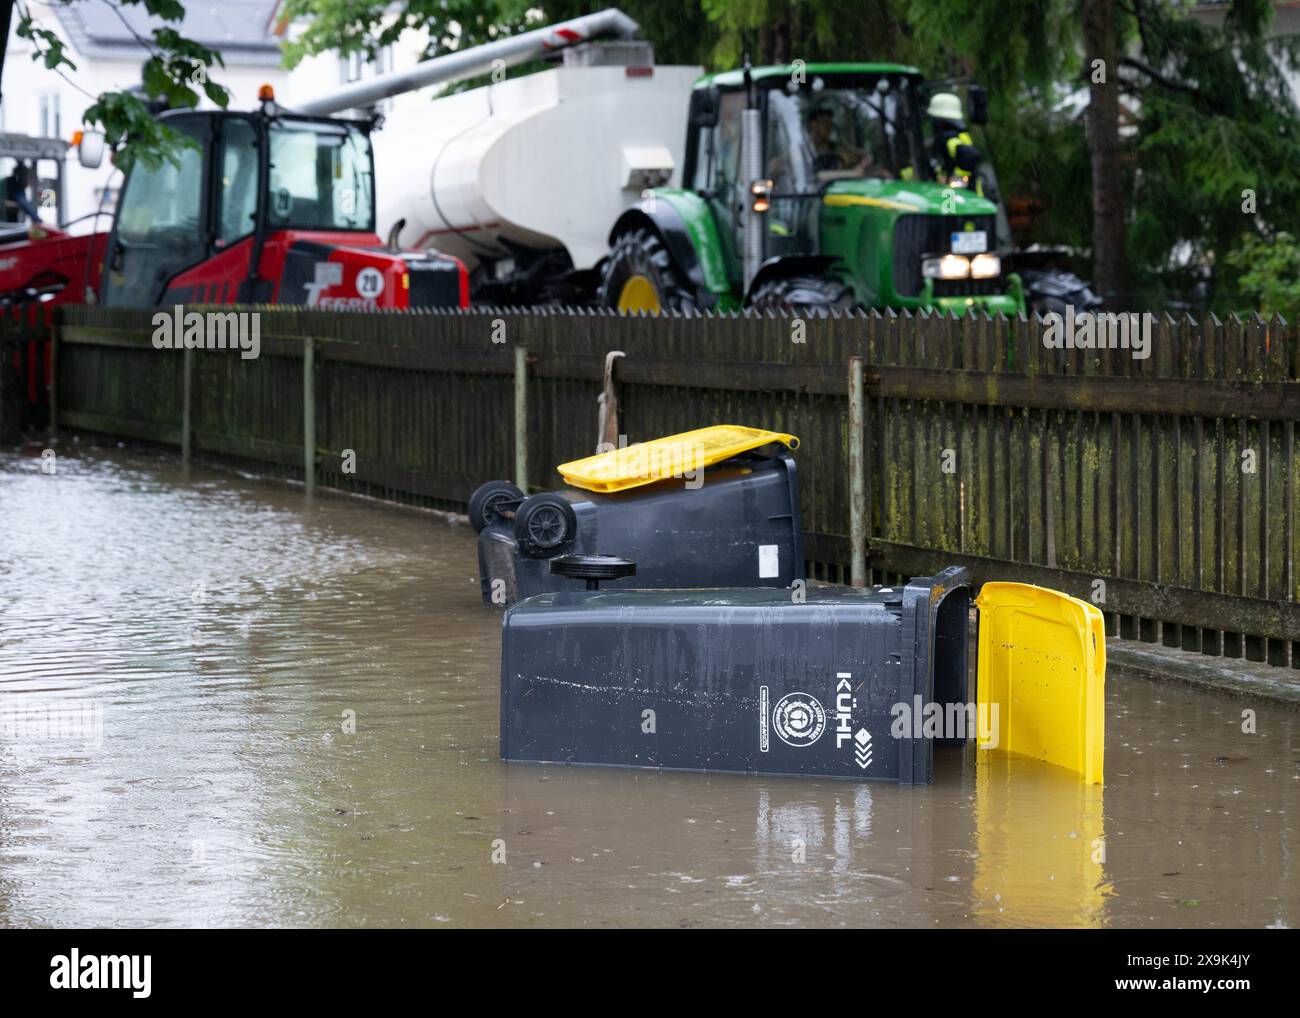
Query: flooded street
222, 706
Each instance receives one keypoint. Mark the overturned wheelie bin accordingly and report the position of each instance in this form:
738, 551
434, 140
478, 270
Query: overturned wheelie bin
832, 681
715, 507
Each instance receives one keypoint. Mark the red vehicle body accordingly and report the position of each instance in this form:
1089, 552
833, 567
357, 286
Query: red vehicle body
49, 266
290, 262
262, 208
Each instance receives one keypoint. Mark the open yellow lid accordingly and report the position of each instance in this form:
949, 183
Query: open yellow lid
663, 458
1042, 664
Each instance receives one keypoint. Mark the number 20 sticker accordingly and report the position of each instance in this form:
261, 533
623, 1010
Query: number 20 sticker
370, 283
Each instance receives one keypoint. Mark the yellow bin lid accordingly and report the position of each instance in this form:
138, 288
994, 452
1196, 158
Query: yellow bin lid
1042, 664
663, 458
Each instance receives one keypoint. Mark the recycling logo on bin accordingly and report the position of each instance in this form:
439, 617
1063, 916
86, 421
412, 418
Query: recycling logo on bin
799, 719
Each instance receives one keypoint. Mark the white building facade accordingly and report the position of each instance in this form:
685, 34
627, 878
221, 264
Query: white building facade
104, 43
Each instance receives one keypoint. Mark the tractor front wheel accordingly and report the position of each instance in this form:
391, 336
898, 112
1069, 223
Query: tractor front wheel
639, 276
802, 295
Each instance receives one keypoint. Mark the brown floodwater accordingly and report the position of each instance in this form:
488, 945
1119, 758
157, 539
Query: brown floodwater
223, 706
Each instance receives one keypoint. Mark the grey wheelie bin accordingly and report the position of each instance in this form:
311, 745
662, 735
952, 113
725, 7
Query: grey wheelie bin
750, 680
837, 682
720, 510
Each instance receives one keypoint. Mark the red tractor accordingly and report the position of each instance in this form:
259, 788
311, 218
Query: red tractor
267, 207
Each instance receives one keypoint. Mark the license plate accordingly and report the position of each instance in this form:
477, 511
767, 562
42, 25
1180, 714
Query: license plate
970, 242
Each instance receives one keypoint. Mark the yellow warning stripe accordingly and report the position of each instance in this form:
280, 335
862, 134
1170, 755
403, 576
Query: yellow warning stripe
862, 199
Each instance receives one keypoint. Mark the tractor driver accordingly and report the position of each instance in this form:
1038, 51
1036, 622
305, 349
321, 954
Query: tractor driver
829, 156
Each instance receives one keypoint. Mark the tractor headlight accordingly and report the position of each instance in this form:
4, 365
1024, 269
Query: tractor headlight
949, 266
985, 266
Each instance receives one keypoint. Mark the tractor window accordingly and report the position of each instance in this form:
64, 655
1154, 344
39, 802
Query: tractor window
238, 181
717, 167
159, 223
821, 134
320, 176
792, 220
718, 172
163, 203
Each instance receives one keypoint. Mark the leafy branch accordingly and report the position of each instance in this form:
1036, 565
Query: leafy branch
177, 70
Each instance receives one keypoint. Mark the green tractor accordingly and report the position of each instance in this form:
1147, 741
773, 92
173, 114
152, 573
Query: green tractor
810, 187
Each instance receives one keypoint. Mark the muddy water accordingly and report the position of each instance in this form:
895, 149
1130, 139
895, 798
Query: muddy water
183, 661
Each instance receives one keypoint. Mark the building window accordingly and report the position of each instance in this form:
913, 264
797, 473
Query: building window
351, 67
51, 125
356, 66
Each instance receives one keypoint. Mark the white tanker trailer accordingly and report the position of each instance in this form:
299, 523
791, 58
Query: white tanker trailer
530, 174
522, 178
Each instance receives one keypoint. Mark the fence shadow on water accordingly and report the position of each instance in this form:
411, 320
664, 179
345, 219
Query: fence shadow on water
1163, 488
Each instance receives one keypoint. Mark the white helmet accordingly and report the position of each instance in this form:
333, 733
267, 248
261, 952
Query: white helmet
945, 106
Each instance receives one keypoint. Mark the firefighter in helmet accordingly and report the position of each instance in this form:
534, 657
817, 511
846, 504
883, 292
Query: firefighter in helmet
956, 158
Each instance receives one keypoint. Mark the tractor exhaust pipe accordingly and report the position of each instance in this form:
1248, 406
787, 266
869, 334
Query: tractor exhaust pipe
751, 147
751, 161
517, 49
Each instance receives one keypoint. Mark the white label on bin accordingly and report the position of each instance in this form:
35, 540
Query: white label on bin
763, 706
769, 561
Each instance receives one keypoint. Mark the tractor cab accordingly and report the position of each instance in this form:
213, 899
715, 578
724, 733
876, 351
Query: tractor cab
264, 207
242, 177
849, 205
840, 127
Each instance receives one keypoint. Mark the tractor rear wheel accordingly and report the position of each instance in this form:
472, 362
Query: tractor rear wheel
639, 276
802, 295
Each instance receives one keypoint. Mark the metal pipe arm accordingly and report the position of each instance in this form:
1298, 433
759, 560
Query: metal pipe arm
517, 49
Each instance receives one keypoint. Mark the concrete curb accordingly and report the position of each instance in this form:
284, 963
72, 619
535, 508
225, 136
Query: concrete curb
1247, 680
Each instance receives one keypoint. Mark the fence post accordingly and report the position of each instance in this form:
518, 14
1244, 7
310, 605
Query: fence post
187, 406
9, 396
607, 414
56, 330
857, 475
521, 418
309, 414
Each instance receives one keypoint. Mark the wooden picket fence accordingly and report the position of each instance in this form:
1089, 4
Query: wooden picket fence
1164, 489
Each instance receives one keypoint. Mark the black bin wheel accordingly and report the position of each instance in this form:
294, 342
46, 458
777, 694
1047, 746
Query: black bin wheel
545, 525
490, 502
593, 568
